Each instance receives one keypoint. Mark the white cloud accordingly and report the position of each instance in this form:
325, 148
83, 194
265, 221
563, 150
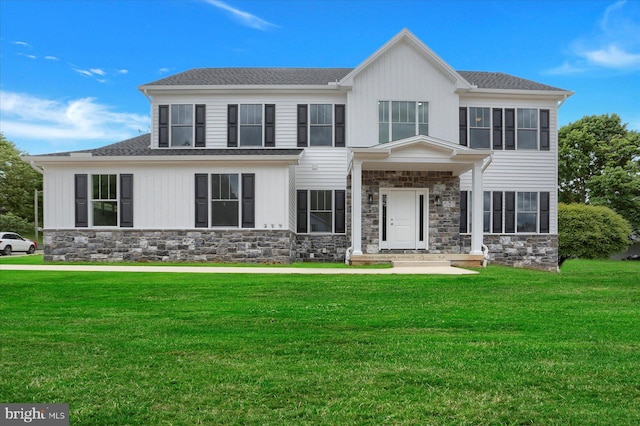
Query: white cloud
615, 43
64, 124
83, 72
52, 58
245, 18
123, 71
613, 57
22, 43
164, 70
97, 71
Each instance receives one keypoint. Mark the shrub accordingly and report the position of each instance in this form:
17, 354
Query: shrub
590, 232
9, 222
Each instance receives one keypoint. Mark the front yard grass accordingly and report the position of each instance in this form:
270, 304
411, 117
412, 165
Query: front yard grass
505, 346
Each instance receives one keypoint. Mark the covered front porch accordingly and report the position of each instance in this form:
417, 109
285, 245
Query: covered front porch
405, 201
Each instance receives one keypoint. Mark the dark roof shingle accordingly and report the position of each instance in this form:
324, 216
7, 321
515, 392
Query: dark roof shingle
140, 146
499, 80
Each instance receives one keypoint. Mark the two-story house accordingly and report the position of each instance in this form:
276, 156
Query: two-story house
400, 155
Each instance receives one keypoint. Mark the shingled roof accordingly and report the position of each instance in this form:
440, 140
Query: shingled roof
322, 76
140, 146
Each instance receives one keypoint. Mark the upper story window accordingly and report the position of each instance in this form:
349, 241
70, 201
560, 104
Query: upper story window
479, 128
400, 119
321, 125
181, 125
508, 128
251, 125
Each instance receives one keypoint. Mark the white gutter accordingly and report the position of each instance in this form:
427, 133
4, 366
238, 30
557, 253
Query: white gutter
484, 167
36, 168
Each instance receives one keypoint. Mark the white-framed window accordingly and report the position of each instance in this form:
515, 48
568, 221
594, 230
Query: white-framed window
479, 127
320, 211
251, 129
527, 212
402, 119
320, 125
527, 129
225, 200
104, 200
486, 211
182, 125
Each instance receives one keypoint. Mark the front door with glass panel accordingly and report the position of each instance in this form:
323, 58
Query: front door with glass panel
403, 219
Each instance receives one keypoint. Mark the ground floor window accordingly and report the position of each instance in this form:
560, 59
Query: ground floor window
507, 212
320, 211
104, 200
225, 207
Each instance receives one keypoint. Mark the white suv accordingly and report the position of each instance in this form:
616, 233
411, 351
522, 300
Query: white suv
10, 242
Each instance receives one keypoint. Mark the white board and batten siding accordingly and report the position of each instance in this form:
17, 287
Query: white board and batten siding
164, 194
401, 74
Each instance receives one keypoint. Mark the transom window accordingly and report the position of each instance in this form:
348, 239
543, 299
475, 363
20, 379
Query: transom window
527, 211
401, 119
479, 127
527, 134
251, 125
181, 125
104, 200
225, 203
320, 125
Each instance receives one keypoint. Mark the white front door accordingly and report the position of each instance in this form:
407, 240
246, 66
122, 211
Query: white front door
404, 219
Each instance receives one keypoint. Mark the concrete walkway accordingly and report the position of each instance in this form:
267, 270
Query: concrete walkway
420, 270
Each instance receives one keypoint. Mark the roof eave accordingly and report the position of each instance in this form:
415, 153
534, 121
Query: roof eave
183, 88
555, 94
290, 159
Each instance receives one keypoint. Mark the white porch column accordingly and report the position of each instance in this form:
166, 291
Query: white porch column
356, 207
477, 209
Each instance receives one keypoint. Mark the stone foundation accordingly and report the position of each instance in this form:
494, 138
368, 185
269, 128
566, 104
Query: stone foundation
232, 246
533, 251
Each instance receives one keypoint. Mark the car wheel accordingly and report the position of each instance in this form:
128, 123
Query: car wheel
7, 251
31, 250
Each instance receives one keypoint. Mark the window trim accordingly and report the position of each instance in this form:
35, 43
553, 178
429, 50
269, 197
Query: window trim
93, 199
261, 125
389, 115
303, 209
198, 126
237, 200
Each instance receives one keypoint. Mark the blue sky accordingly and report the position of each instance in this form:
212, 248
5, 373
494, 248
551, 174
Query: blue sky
69, 70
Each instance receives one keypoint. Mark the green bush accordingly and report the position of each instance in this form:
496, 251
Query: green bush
590, 232
9, 222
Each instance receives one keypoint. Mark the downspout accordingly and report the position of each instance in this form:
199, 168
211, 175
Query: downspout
484, 167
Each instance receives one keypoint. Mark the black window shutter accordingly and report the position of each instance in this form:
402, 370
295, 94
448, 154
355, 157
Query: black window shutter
340, 212
248, 200
544, 130
497, 128
126, 201
202, 202
340, 125
544, 213
510, 212
463, 127
301, 211
302, 126
510, 129
81, 200
163, 126
232, 126
270, 125
497, 213
201, 126
463, 212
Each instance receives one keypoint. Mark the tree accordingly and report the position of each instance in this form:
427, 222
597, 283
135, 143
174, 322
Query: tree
18, 182
590, 232
599, 164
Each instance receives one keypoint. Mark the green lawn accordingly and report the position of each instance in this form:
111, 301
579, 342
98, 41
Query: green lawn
503, 347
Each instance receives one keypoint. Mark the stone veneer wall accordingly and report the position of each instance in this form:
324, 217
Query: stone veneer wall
444, 220
324, 248
248, 246
534, 251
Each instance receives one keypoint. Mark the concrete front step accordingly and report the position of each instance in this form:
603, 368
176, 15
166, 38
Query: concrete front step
452, 259
421, 263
